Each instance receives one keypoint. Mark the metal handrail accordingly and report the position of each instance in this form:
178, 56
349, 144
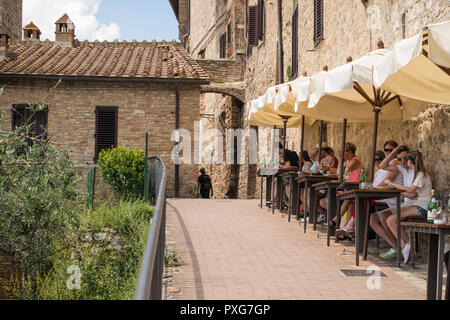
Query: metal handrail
149, 284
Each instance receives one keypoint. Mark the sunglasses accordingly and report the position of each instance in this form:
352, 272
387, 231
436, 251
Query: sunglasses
388, 150
403, 158
378, 159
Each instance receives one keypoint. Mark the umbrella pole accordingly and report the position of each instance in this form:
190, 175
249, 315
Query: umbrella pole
374, 143
344, 137
284, 133
302, 140
320, 140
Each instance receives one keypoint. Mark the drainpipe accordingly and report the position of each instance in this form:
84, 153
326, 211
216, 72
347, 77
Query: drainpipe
188, 24
280, 43
177, 126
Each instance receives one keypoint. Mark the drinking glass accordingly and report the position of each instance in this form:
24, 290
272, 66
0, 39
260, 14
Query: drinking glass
439, 215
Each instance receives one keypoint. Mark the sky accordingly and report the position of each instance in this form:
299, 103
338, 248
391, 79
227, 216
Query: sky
105, 19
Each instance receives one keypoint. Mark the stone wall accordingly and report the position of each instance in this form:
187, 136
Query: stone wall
221, 70
142, 108
11, 17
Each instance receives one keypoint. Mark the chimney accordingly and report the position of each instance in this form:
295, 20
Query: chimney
65, 31
4, 43
31, 32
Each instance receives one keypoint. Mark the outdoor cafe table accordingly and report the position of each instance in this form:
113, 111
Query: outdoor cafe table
436, 243
268, 173
330, 187
361, 196
307, 181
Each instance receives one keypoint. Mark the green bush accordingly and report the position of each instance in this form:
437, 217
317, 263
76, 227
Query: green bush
107, 272
123, 170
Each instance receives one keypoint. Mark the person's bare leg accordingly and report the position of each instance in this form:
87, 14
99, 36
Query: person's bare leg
387, 230
392, 223
376, 225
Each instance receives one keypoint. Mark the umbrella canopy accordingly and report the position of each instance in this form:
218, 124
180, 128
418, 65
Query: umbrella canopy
418, 67
350, 91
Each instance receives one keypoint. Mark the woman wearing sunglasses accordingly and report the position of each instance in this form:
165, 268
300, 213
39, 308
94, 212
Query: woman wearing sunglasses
420, 191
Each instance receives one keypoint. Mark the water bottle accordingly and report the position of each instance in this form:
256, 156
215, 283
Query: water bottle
362, 180
432, 207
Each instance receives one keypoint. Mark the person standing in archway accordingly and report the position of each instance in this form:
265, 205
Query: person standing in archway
204, 185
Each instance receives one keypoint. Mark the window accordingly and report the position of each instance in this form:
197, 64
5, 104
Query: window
252, 28
261, 20
21, 113
223, 46
229, 34
201, 54
295, 44
105, 129
318, 21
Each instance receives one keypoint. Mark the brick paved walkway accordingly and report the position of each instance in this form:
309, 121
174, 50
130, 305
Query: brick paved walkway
231, 249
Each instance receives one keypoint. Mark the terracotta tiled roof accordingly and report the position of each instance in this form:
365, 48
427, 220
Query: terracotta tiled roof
159, 60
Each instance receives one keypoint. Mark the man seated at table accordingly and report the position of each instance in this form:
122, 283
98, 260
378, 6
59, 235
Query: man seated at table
288, 159
396, 168
314, 156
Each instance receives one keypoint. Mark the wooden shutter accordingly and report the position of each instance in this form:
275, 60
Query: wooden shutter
318, 21
105, 129
223, 44
229, 34
261, 20
18, 115
295, 44
252, 27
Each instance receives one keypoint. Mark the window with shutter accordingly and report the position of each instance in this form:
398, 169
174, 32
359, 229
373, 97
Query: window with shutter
318, 21
105, 129
295, 44
252, 27
229, 34
223, 48
21, 113
261, 19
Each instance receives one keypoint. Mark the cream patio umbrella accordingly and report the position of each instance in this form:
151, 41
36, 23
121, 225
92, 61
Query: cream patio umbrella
350, 90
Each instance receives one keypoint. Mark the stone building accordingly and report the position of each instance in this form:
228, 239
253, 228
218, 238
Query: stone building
267, 30
111, 93
213, 34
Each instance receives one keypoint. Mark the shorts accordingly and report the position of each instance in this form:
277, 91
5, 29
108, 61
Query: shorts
421, 210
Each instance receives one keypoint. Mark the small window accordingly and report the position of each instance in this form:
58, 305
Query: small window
318, 21
261, 20
223, 48
105, 129
229, 34
21, 114
252, 28
201, 54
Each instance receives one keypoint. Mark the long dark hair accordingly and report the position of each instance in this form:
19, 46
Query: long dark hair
416, 157
305, 156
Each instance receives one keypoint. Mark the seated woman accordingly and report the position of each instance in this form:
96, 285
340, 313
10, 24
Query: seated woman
378, 221
306, 160
422, 187
329, 162
353, 167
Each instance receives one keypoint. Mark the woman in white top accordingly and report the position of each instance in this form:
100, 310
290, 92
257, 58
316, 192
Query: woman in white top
422, 187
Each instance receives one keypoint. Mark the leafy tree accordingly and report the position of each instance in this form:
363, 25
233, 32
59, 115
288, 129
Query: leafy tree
37, 190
